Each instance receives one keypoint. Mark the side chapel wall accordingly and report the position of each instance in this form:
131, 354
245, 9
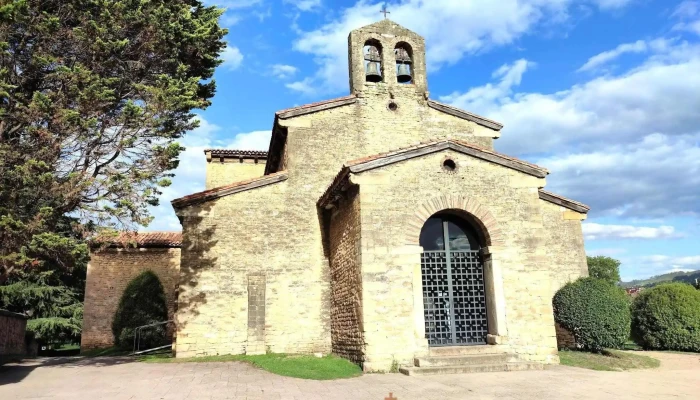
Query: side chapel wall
347, 334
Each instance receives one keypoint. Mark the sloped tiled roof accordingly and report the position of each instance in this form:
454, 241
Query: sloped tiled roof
314, 107
142, 239
237, 187
230, 153
456, 112
453, 144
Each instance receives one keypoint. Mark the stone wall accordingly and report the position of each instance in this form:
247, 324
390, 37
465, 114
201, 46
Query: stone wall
12, 330
232, 170
347, 336
262, 232
276, 229
564, 244
390, 198
108, 274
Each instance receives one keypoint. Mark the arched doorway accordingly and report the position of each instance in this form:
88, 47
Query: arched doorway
452, 273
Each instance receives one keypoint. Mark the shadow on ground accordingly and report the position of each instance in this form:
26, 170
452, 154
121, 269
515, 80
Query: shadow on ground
14, 372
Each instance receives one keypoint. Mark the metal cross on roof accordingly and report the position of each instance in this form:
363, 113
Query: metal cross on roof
385, 11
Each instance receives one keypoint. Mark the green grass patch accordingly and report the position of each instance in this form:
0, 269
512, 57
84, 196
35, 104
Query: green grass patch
630, 345
297, 366
106, 352
610, 360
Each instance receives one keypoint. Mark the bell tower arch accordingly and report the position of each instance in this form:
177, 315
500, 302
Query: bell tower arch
402, 58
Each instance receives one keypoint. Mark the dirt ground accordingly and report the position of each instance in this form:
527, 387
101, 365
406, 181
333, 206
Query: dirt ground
122, 378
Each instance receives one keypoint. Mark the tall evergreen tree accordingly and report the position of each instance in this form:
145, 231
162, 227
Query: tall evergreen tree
93, 97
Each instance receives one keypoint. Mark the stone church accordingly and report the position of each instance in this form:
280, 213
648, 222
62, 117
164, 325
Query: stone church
381, 226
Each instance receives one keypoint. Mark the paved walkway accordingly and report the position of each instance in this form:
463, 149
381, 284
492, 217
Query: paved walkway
109, 378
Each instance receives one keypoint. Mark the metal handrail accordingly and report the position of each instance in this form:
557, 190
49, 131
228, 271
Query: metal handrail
137, 333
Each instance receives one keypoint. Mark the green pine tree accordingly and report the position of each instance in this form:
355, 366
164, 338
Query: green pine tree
94, 95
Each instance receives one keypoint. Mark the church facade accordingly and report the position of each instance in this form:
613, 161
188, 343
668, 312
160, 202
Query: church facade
380, 226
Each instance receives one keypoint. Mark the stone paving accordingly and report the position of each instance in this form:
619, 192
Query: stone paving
110, 378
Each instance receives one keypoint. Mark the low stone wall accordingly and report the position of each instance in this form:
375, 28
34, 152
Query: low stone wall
109, 272
12, 330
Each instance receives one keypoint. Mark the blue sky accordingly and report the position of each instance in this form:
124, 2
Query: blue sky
604, 93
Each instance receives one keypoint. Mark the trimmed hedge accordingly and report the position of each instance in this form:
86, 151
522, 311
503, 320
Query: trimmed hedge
142, 303
667, 317
596, 312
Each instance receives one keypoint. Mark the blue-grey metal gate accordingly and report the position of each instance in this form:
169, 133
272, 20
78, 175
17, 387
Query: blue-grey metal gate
454, 297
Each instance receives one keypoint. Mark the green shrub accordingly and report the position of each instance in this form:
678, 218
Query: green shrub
595, 311
667, 317
142, 303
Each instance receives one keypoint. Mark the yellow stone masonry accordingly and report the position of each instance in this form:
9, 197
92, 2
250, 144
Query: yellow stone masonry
266, 269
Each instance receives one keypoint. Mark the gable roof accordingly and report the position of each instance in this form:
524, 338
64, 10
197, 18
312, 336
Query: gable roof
456, 112
564, 202
222, 191
315, 107
383, 159
141, 240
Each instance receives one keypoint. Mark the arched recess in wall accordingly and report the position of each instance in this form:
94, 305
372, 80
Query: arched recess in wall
462, 206
403, 54
374, 70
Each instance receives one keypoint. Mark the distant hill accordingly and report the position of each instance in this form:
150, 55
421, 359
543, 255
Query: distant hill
688, 277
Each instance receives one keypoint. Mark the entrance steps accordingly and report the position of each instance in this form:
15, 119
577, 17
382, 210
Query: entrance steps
468, 359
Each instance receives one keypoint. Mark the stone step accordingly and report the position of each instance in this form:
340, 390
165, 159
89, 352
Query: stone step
474, 359
448, 351
467, 369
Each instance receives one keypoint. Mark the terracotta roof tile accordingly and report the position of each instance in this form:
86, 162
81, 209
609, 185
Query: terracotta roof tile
237, 153
142, 239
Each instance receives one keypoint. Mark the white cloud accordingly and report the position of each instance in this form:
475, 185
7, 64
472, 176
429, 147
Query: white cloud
660, 95
307, 87
640, 46
655, 176
628, 145
593, 231
484, 97
688, 13
453, 29
304, 5
283, 71
232, 57
229, 19
190, 174
256, 140
687, 10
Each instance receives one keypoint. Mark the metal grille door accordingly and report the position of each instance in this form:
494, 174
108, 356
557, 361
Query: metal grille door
454, 297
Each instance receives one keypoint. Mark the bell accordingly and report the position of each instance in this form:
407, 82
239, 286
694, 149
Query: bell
403, 75
372, 73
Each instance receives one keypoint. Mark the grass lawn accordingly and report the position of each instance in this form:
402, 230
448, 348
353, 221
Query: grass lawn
107, 352
297, 366
611, 360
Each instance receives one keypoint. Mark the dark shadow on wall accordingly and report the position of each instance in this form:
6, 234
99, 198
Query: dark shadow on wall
198, 255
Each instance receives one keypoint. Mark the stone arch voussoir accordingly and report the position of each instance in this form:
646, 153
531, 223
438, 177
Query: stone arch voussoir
483, 217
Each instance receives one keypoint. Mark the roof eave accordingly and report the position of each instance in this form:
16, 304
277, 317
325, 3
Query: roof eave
564, 202
456, 112
217, 193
